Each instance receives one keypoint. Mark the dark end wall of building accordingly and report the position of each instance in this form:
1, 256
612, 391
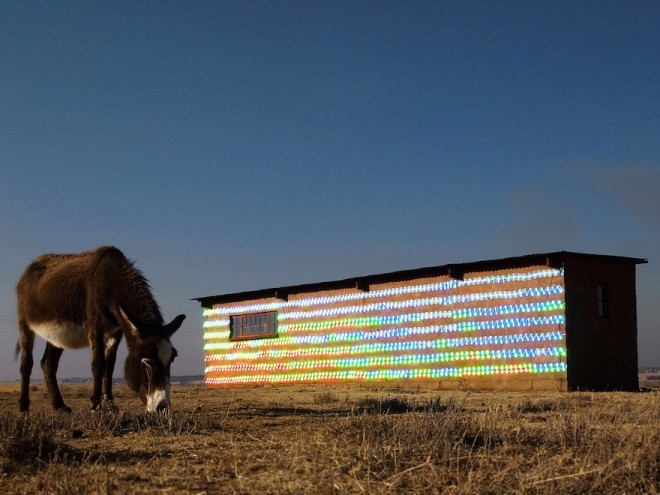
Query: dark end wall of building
601, 323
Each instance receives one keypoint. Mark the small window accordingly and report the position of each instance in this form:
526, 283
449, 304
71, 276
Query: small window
254, 326
603, 301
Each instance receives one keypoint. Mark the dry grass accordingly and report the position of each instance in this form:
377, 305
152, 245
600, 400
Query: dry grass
312, 439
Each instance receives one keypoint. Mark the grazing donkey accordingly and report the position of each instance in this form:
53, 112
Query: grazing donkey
92, 299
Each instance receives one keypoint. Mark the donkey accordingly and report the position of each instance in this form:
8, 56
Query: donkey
92, 299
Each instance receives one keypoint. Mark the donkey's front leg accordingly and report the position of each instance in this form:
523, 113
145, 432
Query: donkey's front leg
111, 345
98, 365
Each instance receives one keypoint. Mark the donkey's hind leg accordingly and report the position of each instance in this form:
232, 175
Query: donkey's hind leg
24, 348
49, 365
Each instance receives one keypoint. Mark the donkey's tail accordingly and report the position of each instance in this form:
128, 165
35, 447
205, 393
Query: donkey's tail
17, 351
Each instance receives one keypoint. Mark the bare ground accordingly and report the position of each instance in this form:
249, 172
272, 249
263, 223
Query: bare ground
328, 439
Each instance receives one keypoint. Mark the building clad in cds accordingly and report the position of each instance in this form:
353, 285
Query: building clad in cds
559, 320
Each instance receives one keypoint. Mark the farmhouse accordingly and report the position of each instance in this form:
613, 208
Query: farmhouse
560, 320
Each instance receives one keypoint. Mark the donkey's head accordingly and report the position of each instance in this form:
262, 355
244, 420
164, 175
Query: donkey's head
150, 356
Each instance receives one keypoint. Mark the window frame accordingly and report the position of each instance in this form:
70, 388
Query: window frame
239, 323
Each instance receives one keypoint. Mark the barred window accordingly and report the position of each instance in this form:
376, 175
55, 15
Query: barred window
254, 326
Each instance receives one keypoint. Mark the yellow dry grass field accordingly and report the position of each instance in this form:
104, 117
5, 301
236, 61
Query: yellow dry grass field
328, 439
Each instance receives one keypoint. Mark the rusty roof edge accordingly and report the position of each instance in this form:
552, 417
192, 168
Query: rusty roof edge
454, 269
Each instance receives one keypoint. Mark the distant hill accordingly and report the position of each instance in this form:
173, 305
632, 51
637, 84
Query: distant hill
178, 380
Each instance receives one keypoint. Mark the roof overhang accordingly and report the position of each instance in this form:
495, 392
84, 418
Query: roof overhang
454, 270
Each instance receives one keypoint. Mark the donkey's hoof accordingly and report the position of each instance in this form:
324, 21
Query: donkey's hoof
63, 408
105, 406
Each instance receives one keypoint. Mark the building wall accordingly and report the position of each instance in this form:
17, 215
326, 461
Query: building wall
602, 349
500, 329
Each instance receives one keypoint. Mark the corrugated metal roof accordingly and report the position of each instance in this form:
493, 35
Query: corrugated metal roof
454, 270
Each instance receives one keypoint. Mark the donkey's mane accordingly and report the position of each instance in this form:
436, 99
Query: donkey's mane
141, 304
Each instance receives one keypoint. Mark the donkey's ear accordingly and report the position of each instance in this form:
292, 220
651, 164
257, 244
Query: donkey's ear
174, 325
131, 329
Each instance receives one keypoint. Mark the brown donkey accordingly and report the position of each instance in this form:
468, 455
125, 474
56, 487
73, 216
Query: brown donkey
92, 299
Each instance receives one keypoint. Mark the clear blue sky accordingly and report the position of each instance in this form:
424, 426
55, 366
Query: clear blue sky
229, 146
